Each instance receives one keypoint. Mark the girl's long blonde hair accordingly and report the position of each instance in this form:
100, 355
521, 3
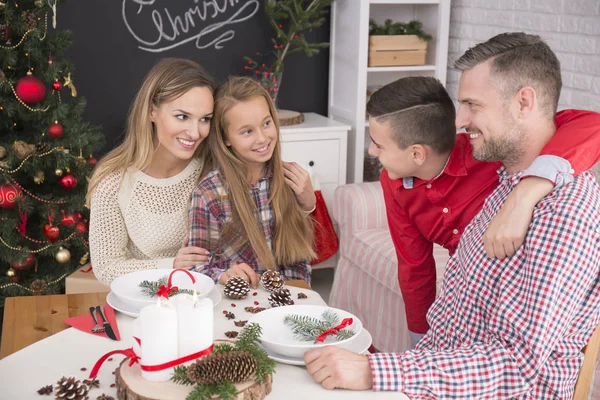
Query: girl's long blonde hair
166, 81
293, 239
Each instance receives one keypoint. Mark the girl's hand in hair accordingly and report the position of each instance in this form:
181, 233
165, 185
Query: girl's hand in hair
299, 180
243, 270
187, 257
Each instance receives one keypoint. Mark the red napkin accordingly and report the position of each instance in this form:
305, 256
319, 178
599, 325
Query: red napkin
85, 322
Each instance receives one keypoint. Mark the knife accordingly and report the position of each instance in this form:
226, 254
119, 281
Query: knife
107, 328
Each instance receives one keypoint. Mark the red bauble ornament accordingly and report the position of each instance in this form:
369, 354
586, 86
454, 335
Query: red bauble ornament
15, 279
92, 161
9, 194
67, 219
50, 61
30, 89
51, 232
81, 227
56, 130
68, 181
21, 265
56, 85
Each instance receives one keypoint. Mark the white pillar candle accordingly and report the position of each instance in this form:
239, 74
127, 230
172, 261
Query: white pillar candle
158, 325
194, 322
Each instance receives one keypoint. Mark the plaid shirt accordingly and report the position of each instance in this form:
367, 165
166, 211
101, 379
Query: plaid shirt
210, 209
511, 328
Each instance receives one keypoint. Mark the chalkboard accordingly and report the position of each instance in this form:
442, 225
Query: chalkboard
116, 42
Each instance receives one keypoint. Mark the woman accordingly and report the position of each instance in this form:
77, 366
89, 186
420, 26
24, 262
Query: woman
140, 191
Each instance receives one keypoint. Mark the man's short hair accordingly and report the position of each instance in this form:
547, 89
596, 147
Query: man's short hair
519, 60
419, 111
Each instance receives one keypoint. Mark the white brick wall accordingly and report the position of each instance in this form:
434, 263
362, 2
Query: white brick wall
570, 27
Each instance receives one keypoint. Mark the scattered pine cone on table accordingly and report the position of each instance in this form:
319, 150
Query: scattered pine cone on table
280, 297
234, 366
272, 280
45, 390
236, 288
105, 397
71, 388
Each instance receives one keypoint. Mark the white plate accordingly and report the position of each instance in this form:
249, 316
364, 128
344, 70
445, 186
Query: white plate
127, 288
118, 304
280, 338
360, 346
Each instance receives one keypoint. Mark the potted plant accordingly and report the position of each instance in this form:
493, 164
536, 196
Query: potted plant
397, 43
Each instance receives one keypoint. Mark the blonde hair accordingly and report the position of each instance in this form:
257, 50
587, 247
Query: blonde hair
293, 239
167, 80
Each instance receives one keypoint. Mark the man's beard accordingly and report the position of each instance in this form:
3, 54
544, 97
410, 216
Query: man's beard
509, 148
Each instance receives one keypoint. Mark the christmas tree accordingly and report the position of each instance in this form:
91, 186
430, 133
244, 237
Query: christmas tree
46, 153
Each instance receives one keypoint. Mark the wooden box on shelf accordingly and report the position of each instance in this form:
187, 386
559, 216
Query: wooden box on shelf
396, 50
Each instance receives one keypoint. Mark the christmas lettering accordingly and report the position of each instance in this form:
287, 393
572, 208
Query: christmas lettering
195, 24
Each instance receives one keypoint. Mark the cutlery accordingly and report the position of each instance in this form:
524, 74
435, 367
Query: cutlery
96, 328
107, 328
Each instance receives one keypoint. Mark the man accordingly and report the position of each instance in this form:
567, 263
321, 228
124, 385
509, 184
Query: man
512, 327
433, 187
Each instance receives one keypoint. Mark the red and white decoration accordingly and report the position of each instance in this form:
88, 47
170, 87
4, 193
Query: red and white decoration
9, 194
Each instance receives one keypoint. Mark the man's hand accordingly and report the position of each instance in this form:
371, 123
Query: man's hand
187, 257
334, 367
507, 230
243, 270
299, 180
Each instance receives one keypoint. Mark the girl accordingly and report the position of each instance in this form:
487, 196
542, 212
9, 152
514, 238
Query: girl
251, 212
139, 192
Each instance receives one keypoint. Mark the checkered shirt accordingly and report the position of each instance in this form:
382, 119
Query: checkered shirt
511, 328
210, 209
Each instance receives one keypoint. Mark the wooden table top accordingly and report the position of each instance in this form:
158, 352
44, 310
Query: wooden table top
28, 319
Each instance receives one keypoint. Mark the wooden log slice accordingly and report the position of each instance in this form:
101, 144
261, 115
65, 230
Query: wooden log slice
288, 117
131, 386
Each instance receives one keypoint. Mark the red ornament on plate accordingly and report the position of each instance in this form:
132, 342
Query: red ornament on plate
9, 194
27, 263
68, 181
56, 85
30, 89
51, 232
56, 130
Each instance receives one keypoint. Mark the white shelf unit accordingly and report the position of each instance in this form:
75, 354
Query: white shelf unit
349, 75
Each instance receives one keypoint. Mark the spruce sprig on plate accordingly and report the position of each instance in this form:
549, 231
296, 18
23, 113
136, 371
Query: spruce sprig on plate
149, 288
307, 328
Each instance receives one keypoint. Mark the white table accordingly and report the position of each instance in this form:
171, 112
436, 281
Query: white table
65, 353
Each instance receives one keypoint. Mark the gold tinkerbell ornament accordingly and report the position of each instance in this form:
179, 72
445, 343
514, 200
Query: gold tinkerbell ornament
69, 83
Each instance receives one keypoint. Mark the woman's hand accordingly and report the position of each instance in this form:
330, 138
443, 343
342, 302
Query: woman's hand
187, 257
243, 270
299, 180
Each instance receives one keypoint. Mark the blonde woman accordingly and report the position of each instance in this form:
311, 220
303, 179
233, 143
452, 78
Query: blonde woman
139, 192
251, 211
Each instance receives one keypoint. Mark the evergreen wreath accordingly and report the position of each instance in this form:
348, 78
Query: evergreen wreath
247, 342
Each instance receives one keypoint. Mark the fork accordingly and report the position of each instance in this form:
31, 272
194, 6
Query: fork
96, 328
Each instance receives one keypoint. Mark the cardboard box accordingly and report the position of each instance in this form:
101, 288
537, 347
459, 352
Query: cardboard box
396, 50
84, 282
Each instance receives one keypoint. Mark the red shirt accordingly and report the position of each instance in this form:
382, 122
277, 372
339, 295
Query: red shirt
437, 211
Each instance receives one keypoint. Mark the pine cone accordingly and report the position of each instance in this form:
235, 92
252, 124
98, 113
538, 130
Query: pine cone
30, 19
236, 288
234, 366
71, 388
281, 297
272, 280
42, 147
38, 286
105, 397
45, 390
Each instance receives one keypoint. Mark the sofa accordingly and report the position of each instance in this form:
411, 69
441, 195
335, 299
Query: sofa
366, 277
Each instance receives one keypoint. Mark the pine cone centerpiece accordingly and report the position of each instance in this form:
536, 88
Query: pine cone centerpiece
71, 388
272, 280
236, 288
234, 366
280, 297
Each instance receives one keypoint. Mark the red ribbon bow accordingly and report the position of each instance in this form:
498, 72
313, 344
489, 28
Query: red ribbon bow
133, 358
335, 329
164, 291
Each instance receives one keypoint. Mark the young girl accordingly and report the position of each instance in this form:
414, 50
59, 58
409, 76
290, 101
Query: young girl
251, 211
139, 192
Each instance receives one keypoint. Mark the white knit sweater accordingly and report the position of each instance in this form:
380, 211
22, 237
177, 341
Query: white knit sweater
139, 222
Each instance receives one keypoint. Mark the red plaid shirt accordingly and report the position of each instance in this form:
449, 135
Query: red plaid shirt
511, 328
210, 209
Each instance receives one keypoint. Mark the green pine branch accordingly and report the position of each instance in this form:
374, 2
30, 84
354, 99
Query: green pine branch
398, 28
149, 288
307, 328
